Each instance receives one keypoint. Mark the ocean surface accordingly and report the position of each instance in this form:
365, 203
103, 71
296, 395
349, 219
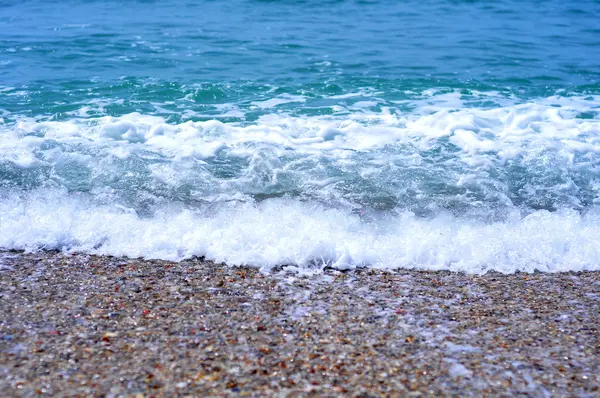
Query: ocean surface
431, 134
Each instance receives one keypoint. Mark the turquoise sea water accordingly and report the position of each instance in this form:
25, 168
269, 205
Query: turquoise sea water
461, 135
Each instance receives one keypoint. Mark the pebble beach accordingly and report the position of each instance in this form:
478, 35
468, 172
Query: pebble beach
84, 325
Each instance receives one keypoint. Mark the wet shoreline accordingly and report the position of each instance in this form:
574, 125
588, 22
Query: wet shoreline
105, 326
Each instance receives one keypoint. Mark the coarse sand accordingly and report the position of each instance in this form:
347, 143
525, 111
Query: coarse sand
83, 325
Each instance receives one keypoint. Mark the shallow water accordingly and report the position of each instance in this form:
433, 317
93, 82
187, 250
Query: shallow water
453, 135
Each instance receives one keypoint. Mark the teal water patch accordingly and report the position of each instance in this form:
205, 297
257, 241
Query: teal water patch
506, 42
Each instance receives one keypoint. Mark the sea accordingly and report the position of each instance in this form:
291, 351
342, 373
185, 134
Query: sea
459, 135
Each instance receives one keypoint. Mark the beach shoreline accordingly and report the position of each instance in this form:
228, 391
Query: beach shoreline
104, 326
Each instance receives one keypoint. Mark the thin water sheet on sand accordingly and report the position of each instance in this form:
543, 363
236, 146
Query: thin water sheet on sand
105, 326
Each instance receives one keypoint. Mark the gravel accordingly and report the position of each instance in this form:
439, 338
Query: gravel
77, 324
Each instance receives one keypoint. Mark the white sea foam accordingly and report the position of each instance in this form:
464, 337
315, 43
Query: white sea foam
509, 131
288, 232
132, 160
